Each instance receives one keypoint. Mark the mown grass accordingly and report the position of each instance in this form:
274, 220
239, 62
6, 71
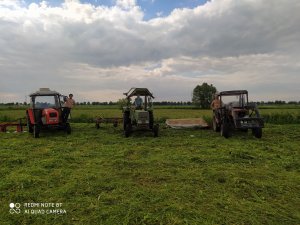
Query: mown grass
181, 177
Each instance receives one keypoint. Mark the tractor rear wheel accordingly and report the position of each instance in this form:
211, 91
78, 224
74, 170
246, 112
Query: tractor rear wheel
151, 120
225, 130
128, 130
257, 132
155, 130
36, 131
126, 120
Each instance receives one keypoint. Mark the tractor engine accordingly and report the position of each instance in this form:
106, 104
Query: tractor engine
50, 116
142, 117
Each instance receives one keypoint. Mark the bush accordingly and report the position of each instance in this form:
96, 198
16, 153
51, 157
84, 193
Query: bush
280, 118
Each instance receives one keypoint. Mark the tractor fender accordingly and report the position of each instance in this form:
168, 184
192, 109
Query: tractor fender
30, 115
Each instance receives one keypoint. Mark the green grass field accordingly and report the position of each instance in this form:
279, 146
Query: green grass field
272, 114
182, 177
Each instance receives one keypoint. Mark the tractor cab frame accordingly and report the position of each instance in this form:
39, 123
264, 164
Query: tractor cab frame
237, 113
46, 112
139, 116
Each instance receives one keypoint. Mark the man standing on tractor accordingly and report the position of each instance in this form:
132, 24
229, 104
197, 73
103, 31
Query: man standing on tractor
68, 105
138, 102
216, 103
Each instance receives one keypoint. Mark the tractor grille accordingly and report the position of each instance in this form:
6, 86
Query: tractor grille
53, 114
143, 116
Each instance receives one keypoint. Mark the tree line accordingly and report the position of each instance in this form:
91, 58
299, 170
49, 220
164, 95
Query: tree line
162, 103
202, 98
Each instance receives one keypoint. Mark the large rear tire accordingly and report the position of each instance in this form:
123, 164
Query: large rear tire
225, 130
126, 119
151, 120
128, 130
36, 131
257, 132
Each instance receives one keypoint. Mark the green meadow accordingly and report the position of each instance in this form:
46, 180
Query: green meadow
182, 177
287, 114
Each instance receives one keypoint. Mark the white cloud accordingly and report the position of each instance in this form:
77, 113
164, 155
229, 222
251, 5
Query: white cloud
82, 48
126, 4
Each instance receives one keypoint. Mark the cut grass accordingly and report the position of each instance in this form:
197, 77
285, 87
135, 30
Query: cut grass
181, 177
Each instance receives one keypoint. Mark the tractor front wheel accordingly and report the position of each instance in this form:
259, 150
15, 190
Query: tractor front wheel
225, 130
128, 130
36, 131
257, 132
155, 130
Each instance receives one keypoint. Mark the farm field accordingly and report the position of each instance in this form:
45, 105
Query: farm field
182, 177
277, 115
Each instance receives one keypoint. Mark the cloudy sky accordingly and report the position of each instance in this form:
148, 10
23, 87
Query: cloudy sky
98, 49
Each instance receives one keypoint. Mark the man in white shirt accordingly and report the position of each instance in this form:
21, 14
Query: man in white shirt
68, 105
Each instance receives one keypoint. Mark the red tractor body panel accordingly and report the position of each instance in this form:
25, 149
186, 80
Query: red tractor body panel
50, 116
31, 116
45, 112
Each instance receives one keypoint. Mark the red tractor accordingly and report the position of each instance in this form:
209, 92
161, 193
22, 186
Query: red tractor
45, 112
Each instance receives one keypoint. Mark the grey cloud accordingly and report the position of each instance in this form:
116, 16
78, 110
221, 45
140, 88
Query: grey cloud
239, 28
90, 48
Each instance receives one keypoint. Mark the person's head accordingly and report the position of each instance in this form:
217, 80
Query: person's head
70, 95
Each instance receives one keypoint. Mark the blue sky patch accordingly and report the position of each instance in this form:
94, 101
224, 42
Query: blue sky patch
151, 8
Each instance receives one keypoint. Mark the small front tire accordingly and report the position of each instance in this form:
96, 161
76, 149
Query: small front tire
155, 130
225, 130
257, 132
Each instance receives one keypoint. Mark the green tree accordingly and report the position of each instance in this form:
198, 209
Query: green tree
122, 103
203, 94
